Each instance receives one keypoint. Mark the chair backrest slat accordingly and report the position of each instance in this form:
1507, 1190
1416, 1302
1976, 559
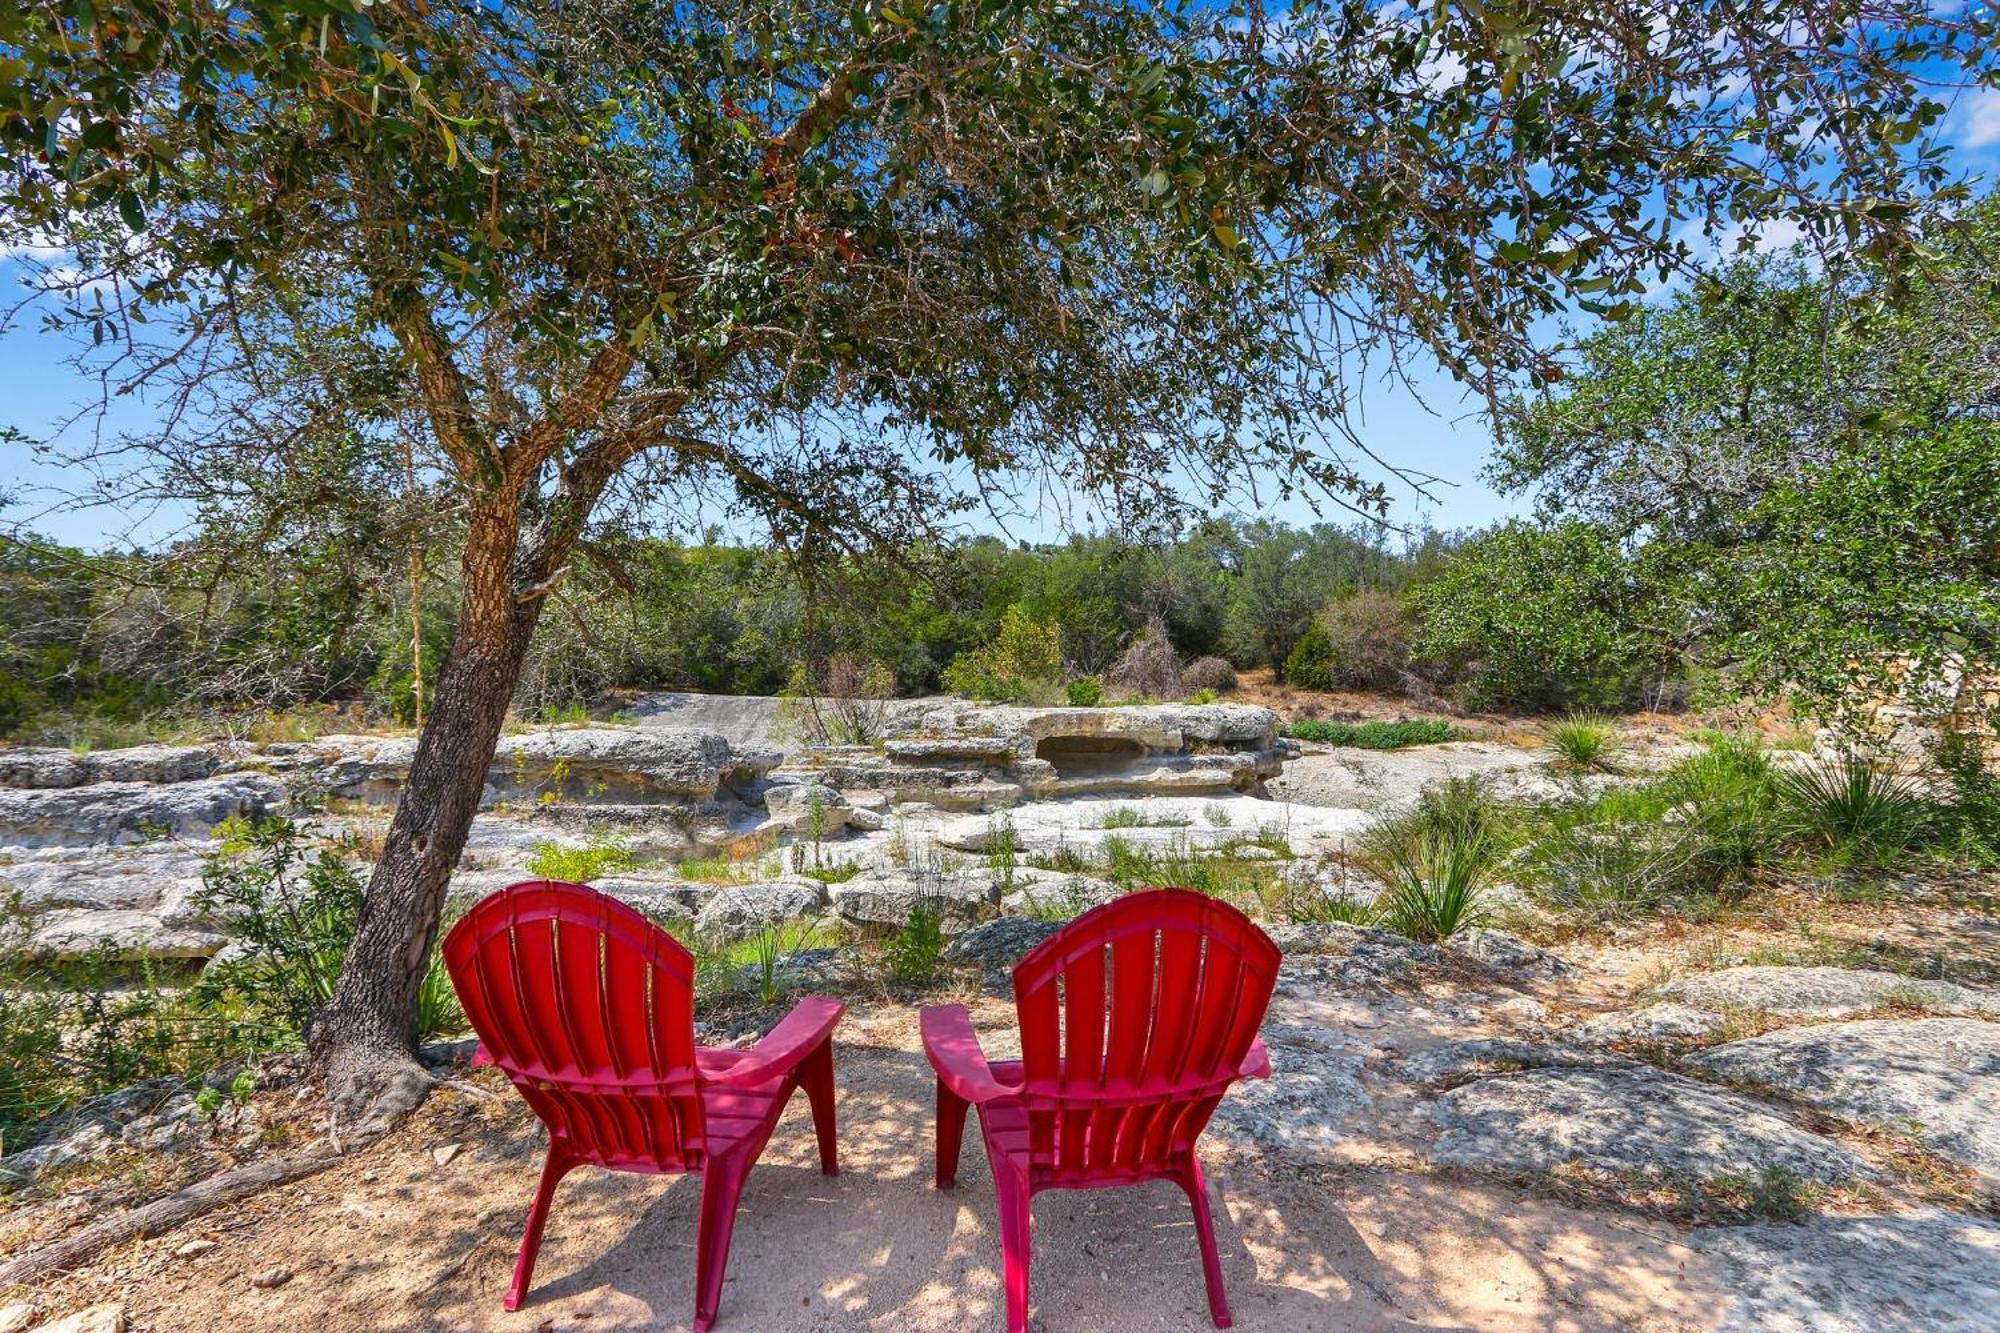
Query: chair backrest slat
589, 1008
1133, 1019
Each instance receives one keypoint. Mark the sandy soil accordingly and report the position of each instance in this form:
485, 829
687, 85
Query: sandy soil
393, 1239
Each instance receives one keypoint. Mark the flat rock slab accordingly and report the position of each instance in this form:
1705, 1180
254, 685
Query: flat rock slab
1823, 992
1629, 1118
1656, 1022
1940, 1074
1936, 1272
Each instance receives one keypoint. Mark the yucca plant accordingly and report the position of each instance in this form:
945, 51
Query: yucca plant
1853, 808
438, 1011
1585, 743
1435, 886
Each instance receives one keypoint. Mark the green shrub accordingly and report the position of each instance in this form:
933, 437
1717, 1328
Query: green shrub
1084, 692
1371, 735
580, 865
1435, 885
1310, 663
1539, 618
910, 956
1585, 743
1023, 660
293, 911
1853, 809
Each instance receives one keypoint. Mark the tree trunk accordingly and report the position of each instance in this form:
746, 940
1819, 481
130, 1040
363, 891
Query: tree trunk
366, 1036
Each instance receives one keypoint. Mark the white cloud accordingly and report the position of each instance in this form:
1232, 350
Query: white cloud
1977, 124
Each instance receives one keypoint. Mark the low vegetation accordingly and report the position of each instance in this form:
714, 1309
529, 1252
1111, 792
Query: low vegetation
580, 865
1585, 743
1371, 735
78, 1029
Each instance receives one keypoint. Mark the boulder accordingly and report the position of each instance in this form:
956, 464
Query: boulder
126, 935
995, 946
1936, 1077
632, 765
741, 908
1628, 1118
102, 878
1824, 992
884, 899
118, 813
791, 806
1047, 893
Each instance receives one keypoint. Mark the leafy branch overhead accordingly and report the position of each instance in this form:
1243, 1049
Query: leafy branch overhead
1129, 242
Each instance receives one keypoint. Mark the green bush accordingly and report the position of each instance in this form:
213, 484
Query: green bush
1310, 663
1023, 661
910, 956
1084, 692
580, 865
1854, 810
1371, 735
1585, 743
1538, 618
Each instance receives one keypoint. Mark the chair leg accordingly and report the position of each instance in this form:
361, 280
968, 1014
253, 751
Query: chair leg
553, 1170
950, 1132
1204, 1230
721, 1186
1016, 1227
816, 1077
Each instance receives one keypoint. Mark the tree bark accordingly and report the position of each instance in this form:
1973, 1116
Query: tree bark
366, 1036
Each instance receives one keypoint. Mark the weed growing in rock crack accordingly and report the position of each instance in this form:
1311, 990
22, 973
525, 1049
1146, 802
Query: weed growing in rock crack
1124, 816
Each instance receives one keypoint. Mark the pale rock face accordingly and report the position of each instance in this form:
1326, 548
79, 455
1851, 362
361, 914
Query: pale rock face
884, 899
107, 814
1938, 1077
739, 908
42, 769
1657, 1022
1628, 1118
1824, 992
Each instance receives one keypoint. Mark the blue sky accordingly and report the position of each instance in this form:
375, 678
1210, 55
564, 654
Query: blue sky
1435, 430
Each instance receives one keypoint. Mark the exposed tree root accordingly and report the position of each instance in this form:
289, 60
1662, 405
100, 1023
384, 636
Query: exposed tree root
163, 1214
371, 1095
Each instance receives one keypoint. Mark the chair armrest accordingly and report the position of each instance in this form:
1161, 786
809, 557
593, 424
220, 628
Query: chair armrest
778, 1051
1256, 1061
954, 1051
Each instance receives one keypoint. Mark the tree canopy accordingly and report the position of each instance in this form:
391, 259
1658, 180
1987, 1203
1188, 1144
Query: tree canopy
1818, 492
838, 269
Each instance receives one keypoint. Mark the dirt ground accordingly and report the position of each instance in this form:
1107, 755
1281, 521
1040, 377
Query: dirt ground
395, 1239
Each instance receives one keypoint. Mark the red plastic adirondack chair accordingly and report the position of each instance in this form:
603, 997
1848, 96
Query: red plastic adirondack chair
589, 1008
1135, 1019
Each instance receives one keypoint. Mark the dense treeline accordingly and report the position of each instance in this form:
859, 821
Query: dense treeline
118, 639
